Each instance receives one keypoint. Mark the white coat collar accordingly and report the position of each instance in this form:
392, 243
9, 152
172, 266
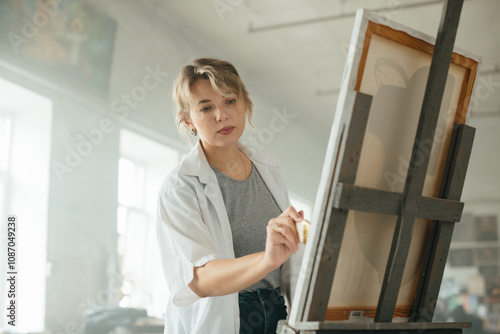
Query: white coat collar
195, 163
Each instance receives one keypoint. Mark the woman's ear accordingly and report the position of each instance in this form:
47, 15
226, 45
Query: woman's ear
184, 119
187, 125
190, 127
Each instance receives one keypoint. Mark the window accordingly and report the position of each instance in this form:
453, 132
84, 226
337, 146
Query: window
5, 140
25, 139
143, 165
470, 290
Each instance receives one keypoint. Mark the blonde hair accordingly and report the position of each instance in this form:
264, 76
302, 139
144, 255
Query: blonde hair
224, 80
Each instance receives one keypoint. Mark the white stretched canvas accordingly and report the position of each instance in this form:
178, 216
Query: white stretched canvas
390, 62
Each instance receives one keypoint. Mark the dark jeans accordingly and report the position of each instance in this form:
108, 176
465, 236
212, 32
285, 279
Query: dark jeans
260, 311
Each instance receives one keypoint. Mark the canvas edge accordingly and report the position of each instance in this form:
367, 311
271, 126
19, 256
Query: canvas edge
348, 82
376, 18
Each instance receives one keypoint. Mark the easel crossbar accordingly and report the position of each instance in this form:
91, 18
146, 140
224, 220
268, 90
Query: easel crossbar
351, 197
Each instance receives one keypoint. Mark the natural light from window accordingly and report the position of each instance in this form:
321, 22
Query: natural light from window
25, 125
143, 165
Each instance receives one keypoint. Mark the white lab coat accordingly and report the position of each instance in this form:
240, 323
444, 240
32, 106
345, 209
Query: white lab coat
193, 228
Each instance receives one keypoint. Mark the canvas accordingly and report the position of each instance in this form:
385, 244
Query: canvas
393, 67
391, 63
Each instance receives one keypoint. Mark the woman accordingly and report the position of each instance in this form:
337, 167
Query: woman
225, 227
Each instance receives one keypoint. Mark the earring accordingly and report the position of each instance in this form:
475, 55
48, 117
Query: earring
194, 132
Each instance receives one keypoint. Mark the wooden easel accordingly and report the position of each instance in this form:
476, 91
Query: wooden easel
316, 276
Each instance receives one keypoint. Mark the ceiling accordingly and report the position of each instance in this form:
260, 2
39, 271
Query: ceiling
293, 51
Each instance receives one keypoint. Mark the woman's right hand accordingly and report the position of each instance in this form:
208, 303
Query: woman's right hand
282, 237
225, 276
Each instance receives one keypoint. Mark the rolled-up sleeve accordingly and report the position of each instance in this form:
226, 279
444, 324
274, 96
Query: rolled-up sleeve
184, 240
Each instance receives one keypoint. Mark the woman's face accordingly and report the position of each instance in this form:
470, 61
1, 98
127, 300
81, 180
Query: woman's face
219, 120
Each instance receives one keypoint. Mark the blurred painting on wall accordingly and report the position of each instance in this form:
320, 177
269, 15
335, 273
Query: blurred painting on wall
62, 41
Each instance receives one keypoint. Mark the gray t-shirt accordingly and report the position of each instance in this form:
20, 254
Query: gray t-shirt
250, 206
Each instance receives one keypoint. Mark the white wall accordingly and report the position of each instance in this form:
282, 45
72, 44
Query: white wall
482, 184
164, 44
